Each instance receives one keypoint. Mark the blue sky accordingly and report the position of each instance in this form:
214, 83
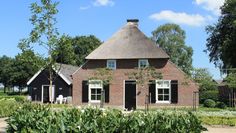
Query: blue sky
104, 17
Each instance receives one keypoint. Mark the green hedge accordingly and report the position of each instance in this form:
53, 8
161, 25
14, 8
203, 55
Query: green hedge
218, 120
39, 118
213, 94
8, 106
17, 98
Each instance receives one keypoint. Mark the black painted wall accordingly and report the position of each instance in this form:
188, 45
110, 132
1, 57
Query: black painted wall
35, 88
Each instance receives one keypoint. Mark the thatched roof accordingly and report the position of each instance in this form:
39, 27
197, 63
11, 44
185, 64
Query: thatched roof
128, 43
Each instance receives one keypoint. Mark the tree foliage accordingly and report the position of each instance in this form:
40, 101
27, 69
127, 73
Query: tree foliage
6, 64
204, 79
144, 75
102, 74
64, 52
73, 50
17, 71
231, 79
44, 33
171, 38
221, 42
25, 65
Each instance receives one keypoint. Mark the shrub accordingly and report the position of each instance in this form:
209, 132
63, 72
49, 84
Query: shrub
212, 94
17, 98
221, 105
39, 118
209, 103
8, 106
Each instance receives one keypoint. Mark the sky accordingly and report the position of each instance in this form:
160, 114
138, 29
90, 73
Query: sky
103, 18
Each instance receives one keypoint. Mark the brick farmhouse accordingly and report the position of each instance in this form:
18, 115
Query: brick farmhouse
127, 50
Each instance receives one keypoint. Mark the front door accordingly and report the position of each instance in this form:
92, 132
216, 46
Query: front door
45, 94
130, 95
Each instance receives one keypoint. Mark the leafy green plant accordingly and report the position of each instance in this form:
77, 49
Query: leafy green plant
8, 106
209, 103
221, 105
211, 94
40, 118
17, 98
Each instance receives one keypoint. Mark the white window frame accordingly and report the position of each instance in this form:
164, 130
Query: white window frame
163, 87
111, 61
100, 86
52, 95
141, 60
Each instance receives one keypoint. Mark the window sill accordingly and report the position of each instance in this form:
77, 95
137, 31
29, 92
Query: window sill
163, 102
95, 101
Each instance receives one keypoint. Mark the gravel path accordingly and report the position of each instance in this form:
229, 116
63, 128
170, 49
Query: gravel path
3, 125
220, 129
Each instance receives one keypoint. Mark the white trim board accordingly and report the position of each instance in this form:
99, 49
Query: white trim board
59, 73
53, 93
35, 75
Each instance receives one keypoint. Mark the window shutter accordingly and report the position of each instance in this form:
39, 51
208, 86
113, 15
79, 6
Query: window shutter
85, 91
174, 91
152, 91
107, 91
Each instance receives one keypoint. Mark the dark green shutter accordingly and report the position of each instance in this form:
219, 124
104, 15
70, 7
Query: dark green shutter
106, 91
174, 91
152, 91
85, 91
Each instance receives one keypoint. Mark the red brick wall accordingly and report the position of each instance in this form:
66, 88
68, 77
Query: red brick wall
168, 70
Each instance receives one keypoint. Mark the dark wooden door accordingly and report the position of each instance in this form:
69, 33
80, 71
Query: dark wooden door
130, 95
45, 94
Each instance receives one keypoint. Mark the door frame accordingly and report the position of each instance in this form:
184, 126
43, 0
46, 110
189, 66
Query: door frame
53, 92
124, 92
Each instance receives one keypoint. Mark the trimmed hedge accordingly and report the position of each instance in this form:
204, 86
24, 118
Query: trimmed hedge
40, 118
209, 103
212, 94
8, 106
17, 98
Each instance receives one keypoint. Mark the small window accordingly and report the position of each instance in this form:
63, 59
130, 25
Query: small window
111, 64
143, 63
95, 90
163, 91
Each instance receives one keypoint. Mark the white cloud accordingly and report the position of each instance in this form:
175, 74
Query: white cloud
180, 18
103, 3
211, 5
84, 7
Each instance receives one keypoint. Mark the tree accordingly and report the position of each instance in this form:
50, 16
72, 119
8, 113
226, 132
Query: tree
44, 33
25, 65
171, 38
73, 50
6, 64
204, 79
84, 45
103, 75
207, 87
143, 77
64, 52
221, 42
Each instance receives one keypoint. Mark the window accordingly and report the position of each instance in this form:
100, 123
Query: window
163, 91
111, 64
95, 90
143, 63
